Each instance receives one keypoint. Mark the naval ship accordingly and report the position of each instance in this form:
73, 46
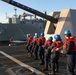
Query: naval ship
56, 23
17, 28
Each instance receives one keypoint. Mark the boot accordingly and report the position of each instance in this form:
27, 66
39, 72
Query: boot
36, 59
56, 71
52, 73
50, 65
42, 63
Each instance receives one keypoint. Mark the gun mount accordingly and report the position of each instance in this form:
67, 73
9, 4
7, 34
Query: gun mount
50, 18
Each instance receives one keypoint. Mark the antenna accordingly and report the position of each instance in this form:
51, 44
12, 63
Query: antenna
6, 14
15, 12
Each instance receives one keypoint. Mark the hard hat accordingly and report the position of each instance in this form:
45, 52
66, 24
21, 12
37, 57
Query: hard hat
36, 34
67, 32
50, 38
57, 37
42, 34
28, 35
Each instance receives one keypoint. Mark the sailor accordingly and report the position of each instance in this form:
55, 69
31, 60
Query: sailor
35, 44
31, 46
70, 49
48, 43
41, 42
29, 41
55, 54
11, 41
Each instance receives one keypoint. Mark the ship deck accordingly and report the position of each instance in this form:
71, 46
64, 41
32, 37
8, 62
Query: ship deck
14, 58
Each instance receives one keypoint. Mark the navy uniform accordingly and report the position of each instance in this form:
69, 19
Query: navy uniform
55, 54
48, 43
35, 43
31, 46
41, 42
70, 49
29, 41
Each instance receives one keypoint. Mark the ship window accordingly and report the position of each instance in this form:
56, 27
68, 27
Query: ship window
40, 27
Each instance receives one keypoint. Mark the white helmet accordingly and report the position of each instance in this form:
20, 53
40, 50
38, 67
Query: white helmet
28, 35
36, 34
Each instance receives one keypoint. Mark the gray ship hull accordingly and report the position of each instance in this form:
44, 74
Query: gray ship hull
19, 31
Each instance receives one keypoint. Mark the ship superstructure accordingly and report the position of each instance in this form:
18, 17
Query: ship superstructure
17, 29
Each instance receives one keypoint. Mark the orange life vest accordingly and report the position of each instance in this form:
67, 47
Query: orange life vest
72, 39
30, 39
36, 40
58, 44
48, 43
42, 39
33, 41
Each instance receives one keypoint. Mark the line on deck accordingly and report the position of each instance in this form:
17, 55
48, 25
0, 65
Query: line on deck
22, 64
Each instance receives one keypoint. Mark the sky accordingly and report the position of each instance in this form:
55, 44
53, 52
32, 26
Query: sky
40, 5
